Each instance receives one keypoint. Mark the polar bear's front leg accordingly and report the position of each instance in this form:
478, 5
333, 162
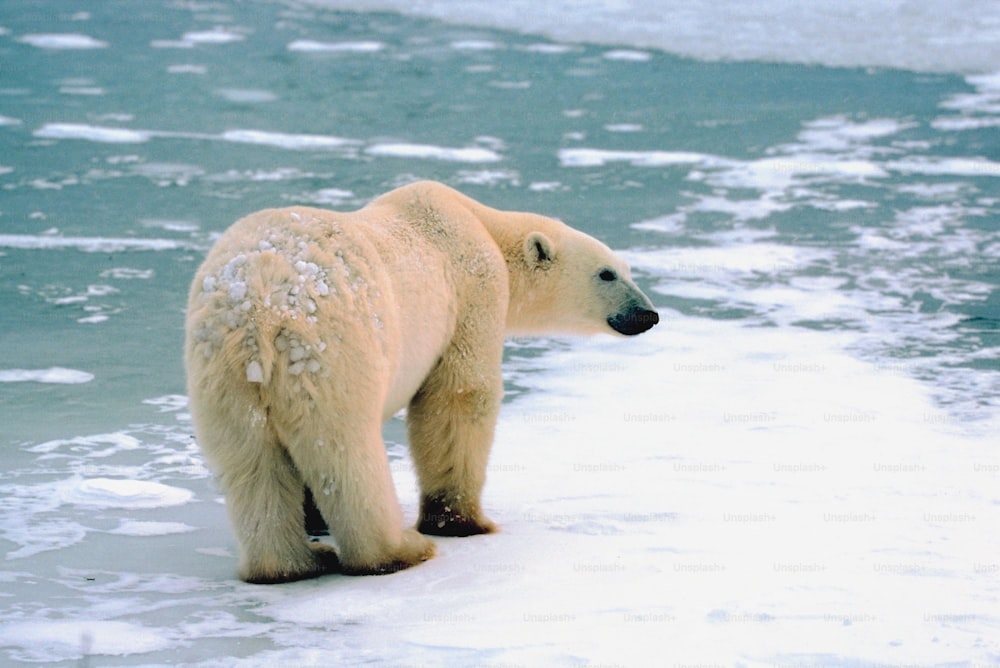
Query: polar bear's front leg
451, 423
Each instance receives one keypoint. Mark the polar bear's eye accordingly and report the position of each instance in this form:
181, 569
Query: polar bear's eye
607, 275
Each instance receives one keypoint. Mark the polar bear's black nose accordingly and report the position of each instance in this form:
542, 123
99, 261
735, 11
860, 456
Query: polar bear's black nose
634, 321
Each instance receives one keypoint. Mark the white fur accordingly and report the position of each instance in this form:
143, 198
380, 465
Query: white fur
307, 329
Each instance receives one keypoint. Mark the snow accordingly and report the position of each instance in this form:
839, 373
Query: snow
773, 501
255, 374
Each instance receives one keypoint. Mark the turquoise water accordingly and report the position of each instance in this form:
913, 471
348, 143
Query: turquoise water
876, 168
857, 205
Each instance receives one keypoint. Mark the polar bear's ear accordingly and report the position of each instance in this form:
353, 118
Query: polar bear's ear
538, 250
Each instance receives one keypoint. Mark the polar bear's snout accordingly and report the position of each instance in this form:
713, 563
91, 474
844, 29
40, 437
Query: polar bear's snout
635, 319
634, 314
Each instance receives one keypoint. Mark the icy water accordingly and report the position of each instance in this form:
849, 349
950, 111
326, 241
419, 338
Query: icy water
799, 466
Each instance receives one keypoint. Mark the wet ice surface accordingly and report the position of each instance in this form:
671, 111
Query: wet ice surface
770, 502
799, 466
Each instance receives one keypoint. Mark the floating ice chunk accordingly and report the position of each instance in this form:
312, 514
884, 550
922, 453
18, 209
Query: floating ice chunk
255, 374
140, 528
120, 493
101, 290
127, 273
216, 36
546, 186
331, 196
171, 44
624, 127
295, 142
592, 157
628, 55
247, 95
430, 152
55, 375
550, 49
82, 90
185, 68
93, 133
311, 46
63, 41
475, 45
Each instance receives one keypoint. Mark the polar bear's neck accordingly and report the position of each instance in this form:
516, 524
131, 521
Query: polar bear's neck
530, 308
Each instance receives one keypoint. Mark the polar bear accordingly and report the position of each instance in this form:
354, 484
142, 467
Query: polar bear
307, 329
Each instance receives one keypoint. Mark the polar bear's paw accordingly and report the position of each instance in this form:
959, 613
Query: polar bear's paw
439, 517
320, 560
412, 550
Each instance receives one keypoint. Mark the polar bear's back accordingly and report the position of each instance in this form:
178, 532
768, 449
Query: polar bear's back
292, 299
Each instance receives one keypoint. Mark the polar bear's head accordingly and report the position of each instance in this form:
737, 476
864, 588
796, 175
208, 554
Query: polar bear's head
566, 281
